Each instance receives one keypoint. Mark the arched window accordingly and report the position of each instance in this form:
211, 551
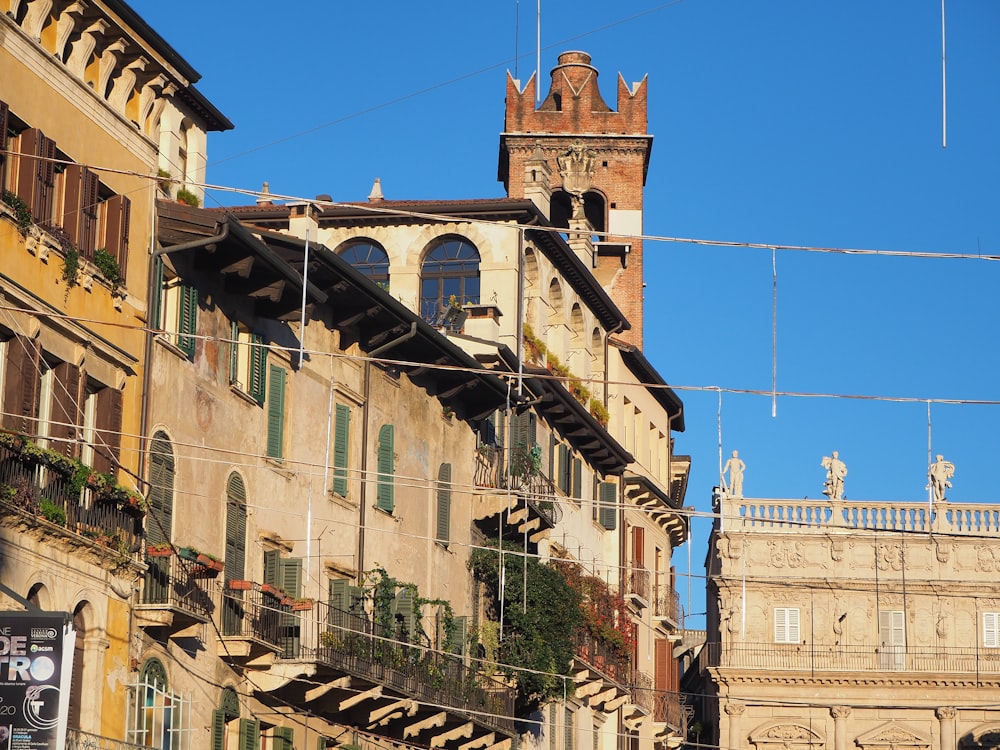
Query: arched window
449, 274
228, 710
236, 527
159, 519
369, 258
161, 489
158, 717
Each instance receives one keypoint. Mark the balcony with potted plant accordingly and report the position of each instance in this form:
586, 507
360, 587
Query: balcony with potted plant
174, 595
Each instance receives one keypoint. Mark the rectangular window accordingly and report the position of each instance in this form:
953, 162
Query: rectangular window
341, 448
991, 629
892, 639
275, 412
179, 312
248, 362
786, 624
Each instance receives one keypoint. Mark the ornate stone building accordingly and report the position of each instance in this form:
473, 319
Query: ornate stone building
837, 624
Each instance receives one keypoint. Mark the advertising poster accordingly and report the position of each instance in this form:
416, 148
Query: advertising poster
36, 662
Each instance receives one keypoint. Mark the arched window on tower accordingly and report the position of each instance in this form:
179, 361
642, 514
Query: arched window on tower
368, 257
449, 275
594, 208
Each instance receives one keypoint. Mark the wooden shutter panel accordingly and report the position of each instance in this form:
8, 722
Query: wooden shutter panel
236, 529
608, 513
88, 214
386, 469
272, 561
161, 491
780, 625
341, 436
108, 421
459, 634
117, 217
283, 738
156, 304
258, 369
249, 734
234, 352
21, 385
187, 322
219, 728
991, 622
405, 614
793, 624
577, 490
66, 412
36, 174
290, 576
338, 594
4, 116
564, 468
275, 412
444, 504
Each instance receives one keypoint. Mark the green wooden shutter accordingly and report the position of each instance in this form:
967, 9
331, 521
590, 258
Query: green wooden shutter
404, 612
275, 412
187, 319
577, 490
258, 369
249, 734
290, 576
236, 528
459, 634
386, 469
218, 729
338, 596
272, 561
444, 504
609, 501
234, 352
161, 490
564, 468
156, 304
283, 738
290, 581
341, 437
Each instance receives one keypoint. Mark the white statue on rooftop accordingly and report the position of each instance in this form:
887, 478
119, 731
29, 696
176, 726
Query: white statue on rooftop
836, 470
939, 474
735, 467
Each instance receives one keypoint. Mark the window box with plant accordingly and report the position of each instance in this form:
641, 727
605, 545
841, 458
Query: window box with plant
163, 549
239, 584
186, 196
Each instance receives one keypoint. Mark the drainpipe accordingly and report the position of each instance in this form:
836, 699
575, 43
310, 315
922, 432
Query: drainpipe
363, 505
151, 294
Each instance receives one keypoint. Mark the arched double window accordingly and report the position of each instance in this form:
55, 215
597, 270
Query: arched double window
449, 274
368, 257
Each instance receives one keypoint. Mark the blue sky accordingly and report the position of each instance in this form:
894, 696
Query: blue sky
780, 122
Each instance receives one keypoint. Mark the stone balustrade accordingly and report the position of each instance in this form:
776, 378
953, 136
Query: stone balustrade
751, 514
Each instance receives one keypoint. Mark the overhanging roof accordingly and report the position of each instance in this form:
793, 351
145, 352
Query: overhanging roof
570, 418
643, 369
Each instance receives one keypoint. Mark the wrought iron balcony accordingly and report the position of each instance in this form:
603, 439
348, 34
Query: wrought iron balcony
667, 606
251, 615
518, 470
171, 585
31, 488
602, 657
78, 740
638, 584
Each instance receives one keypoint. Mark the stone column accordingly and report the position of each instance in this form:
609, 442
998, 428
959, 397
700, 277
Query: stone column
735, 711
840, 715
946, 715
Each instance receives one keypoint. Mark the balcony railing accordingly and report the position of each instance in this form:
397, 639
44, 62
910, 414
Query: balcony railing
354, 644
667, 603
518, 470
77, 740
602, 657
740, 514
838, 658
36, 489
638, 581
252, 614
169, 583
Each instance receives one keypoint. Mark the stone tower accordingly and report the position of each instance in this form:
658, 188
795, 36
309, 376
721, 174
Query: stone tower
584, 165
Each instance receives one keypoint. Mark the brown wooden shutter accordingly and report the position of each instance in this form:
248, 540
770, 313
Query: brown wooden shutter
4, 158
36, 174
21, 385
66, 411
108, 422
117, 213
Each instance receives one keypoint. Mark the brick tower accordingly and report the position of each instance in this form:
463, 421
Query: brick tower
584, 165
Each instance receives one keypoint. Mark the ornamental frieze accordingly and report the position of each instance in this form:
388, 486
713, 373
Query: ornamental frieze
788, 736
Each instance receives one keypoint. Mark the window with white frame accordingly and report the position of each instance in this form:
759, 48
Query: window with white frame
991, 629
786, 624
158, 717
